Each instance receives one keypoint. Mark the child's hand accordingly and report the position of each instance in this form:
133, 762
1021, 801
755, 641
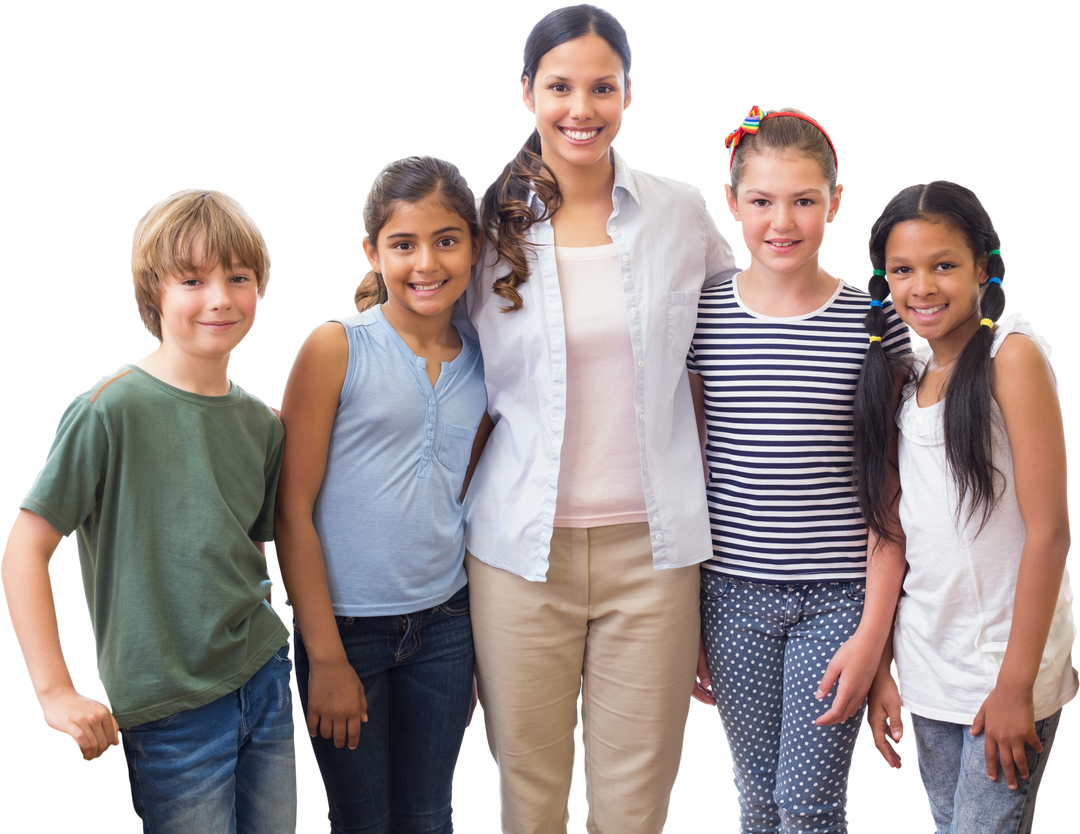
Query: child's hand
883, 715
337, 705
853, 665
1008, 717
702, 690
84, 719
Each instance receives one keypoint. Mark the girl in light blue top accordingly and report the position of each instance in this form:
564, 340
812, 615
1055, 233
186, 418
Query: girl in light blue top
382, 412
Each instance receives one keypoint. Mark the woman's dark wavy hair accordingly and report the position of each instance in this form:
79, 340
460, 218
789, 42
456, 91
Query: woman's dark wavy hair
411, 180
505, 211
968, 422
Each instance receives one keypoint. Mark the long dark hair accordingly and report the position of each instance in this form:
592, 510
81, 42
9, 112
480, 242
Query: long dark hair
967, 409
411, 180
505, 211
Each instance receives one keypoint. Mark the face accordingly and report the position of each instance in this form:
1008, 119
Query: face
783, 204
578, 96
425, 255
207, 312
934, 279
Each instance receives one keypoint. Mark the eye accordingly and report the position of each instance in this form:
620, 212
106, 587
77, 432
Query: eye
605, 88
804, 201
447, 241
759, 202
945, 266
402, 246
240, 279
901, 270
190, 282
558, 88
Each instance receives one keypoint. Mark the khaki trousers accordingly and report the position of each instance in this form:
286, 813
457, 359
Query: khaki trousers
610, 626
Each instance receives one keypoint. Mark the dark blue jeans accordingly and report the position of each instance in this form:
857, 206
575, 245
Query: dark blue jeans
417, 672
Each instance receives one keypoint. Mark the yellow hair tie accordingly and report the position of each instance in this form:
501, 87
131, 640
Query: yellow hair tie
875, 339
987, 323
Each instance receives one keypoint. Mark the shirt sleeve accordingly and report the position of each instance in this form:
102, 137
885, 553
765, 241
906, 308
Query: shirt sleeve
719, 260
263, 528
69, 487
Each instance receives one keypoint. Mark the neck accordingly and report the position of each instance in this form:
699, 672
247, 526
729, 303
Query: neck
948, 348
580, 184
207, 376
784, 294
419, 330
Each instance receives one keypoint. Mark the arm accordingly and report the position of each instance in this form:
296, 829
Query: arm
336, 702
483, 432
33, 613
702, 690
1024, 388
719, 260
855, 664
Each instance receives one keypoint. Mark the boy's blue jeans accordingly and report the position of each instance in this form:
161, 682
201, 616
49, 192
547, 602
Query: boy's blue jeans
963, 800
226, 767
417, 671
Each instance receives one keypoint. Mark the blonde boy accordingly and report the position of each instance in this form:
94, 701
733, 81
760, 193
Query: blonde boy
168, 472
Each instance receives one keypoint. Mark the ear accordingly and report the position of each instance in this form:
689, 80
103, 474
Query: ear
372, 255
626, 98
834, 204
732, 202
477, 243
982, 269
526, 94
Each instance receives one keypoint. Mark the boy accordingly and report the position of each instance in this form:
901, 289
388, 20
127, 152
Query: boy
169, 471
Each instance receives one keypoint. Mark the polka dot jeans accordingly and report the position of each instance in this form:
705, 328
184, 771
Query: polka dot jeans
767, 647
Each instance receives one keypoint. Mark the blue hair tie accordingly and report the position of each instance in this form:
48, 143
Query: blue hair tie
875, 303
995, 281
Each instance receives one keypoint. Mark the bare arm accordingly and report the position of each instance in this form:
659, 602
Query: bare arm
33, 613
483, 432
855, 664
336, 702
1025, 391
697, 394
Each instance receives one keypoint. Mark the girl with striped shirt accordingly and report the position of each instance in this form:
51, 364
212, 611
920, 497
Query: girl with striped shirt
775, 362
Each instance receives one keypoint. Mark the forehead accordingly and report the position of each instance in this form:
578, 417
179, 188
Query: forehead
422, 218
913, 238
781, 172
588, 56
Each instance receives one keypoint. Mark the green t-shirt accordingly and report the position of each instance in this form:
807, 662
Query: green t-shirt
168, 490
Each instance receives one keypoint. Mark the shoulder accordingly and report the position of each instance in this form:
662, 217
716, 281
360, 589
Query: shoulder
127, 388
1019, 354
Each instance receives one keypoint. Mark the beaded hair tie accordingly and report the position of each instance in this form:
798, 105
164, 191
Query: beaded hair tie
752, 123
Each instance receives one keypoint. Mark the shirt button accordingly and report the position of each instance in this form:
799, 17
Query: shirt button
427, 453
626, 257
659, 537
646, 470
431, 419
430, 435
431, 402
611, 229
642, 418
656, 519
633, 311
641, 363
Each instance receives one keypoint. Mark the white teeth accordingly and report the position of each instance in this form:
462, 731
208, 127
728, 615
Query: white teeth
581, 135
929, 311
427, 286
783, 245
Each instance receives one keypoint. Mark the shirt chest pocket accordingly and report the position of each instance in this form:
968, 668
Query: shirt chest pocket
455, 448
681, 319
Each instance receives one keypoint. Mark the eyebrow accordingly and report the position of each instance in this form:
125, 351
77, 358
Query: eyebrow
437, 232
804, 193
609, 77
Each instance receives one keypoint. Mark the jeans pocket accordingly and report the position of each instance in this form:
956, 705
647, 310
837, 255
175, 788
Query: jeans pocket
714, 587
457, 605
856, 590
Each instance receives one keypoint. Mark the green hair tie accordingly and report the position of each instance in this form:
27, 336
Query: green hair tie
995, 252
879, 271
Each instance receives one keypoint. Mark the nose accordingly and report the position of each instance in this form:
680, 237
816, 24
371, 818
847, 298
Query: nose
426, 259
221, 295
581, 105
923, 283
782, 217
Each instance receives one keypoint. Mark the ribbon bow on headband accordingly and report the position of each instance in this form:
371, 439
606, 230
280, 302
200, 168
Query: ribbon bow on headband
752, 123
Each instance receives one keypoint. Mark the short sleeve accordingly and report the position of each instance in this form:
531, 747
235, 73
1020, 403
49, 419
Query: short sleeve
719, 259
263, 528
70, 485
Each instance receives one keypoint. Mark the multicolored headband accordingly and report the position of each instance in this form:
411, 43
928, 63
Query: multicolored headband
752, 123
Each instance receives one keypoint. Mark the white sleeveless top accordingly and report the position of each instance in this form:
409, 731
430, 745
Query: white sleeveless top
953, 621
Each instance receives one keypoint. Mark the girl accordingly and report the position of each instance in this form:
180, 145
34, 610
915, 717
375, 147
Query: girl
984, 629
584, 530
381, 411
778, 350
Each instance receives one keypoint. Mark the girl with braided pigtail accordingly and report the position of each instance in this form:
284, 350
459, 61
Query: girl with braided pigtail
983, 631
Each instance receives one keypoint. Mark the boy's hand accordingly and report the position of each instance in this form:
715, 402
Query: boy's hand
84, 719
1008, 717
337, 705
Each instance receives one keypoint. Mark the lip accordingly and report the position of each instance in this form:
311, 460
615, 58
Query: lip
426, 289
921, 315
565, 131
783, 244
218, 326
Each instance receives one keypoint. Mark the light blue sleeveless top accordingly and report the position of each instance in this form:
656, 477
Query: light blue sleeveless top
388, 514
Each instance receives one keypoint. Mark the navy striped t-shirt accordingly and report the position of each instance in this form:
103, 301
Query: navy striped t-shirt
779, 396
